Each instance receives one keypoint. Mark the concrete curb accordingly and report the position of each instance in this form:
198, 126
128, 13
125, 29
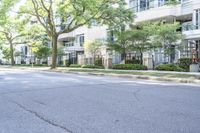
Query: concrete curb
129, 76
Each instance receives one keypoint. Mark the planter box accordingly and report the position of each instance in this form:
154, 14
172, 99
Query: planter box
194, 68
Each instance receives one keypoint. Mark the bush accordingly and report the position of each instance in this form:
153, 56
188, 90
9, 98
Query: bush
75, 65
169, 67
67, 64
98, 62
41, 65
28, 65
130, 67
185, 63
133, 61
93, 66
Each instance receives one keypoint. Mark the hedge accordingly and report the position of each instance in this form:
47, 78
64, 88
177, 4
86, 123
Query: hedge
133, 61
93, 66
169, 67
75, 65
98, 62
185, 63
129, 67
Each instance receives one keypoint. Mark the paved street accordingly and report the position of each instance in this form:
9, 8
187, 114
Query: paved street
48, 102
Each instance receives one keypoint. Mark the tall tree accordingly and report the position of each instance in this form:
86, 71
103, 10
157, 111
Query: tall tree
120, 42
70, 15
167, 36
10, 27
11, 32
140, 40
5, 6
93, 48
117, 39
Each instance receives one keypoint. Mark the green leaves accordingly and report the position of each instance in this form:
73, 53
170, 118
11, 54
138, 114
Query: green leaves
167, 35
41, 51
93, 47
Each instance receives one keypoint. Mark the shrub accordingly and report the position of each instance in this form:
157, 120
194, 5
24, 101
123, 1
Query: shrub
41, 65
93, 66
130, 67
133, 61
185, 63
169, 67
98, 62
28, 65
75, 65
67, 64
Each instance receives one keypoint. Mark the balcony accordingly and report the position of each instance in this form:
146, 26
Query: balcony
191, 31
74, 48
156, 11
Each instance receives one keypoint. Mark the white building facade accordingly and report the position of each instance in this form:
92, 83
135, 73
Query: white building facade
187, 12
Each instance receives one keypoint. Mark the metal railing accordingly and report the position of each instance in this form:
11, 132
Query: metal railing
190, 27
149, 4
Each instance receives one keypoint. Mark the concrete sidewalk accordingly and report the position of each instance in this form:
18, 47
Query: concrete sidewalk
148, 71
99, 72
131, 74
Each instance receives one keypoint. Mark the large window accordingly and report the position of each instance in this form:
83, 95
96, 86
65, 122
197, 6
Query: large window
68, 43
80, 39
144, 5
139, 5
197, 19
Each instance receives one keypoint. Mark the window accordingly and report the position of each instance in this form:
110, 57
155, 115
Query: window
80, 39
134, 5
161, 2
94, 23
141, 5
198, 48
197, 19
110, 36
184, 0
68, 44
144, 5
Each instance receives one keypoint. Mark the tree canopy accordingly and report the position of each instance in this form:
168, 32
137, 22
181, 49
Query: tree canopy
58, 17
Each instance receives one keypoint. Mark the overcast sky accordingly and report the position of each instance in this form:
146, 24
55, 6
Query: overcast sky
16, 7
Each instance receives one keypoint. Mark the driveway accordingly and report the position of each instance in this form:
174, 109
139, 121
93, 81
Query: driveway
48, 102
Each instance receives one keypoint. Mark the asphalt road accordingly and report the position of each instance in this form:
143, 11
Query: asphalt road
45, 102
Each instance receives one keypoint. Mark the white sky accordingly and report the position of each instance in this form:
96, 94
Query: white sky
16, 7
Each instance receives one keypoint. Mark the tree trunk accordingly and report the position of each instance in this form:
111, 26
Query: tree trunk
12, 53
172, 54
93, 59
141, 58
124, 55
54, 52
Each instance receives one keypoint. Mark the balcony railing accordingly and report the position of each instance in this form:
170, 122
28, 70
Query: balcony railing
138, 7
190, 27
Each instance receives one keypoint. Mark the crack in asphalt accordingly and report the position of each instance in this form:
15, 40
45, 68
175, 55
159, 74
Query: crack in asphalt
39, 102
43, 118
135, 93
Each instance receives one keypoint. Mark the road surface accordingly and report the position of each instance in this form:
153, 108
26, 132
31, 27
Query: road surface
48, 102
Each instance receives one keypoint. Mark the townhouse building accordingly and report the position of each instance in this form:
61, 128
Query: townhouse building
187, 12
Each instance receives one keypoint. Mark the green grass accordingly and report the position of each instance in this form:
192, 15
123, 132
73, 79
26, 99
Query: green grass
29, 65
103, 71
156, 74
